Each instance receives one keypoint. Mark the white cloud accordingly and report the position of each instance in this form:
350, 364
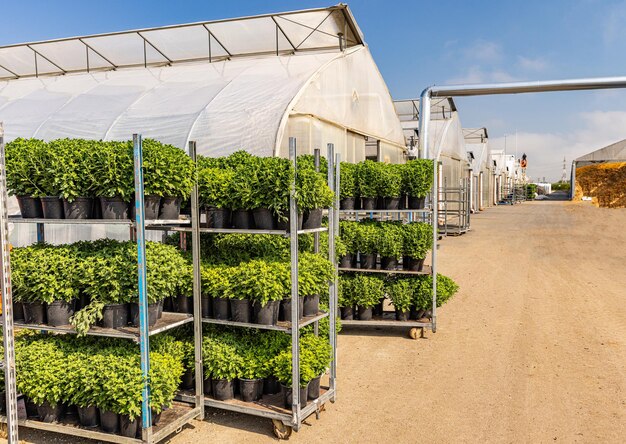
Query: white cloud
476, 74
484, 51
537, 64
545, 151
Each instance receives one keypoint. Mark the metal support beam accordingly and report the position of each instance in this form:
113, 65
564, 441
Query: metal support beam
144, 343
334, 175
7, 304
37, 53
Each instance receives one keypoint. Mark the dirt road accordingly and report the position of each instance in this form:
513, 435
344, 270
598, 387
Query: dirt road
531, 350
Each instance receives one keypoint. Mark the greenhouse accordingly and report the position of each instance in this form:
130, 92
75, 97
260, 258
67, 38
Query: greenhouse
482, 182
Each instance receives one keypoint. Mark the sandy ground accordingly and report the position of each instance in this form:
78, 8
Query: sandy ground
531, 350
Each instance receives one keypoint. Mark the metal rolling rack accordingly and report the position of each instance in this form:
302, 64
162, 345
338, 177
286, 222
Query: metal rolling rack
271, 406
180, 413
416, 327
455, 208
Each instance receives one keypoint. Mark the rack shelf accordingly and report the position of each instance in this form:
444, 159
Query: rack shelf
172, 420
281, 326
237, 230
426, 270
128, 222
167, 322
423, 211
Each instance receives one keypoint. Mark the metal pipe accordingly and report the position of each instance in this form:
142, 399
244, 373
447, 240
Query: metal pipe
333, 226
424, 118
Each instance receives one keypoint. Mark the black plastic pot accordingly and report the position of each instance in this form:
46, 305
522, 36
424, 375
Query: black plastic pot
70, 412
31, 408
109, 421
271, 386
168, 304
183, 304
114, 208
82, 301
283, 224
207, 386
59, 312
242, 219
127, 427
314, 388
52, 207
153, 314
266, 314
348, 261
388, 263
3, 402
417, 314
206, 303
170, 208
365, 314
151, 204
48, 413
368, 261
391, 203
402, 315
288, 396
79, 208
240, 310
249, 389
347, 313
88, 416
115, 316
34, 313
263, 219
160, 309
311, 305
347, 203
187, 380
378, 309
220, 308
412, 264
30, 207
312, 219
416, 203
285, 309
223, 389
368, 203
18, 311
218, 218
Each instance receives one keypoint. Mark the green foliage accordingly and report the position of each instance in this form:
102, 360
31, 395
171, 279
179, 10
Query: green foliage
389, 239
221, 359
401, 292
307, 161
368, 290
75, 167
368, 173
215, 187
446, 288
312, 191
282, 368
314, 273
24, 167
348, 182
259, 281
561, 186
349, 234
367, 237
114, 164
317, 352
417, 239
168, 171
417, 177
389, 181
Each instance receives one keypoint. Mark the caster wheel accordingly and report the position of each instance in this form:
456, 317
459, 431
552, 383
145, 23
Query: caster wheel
281, 430
416, 333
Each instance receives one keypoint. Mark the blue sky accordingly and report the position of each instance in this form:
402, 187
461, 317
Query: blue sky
418, 43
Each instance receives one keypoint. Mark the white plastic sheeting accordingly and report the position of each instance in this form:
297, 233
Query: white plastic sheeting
616, 152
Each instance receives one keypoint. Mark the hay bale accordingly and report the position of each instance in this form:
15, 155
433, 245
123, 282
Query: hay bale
605, 183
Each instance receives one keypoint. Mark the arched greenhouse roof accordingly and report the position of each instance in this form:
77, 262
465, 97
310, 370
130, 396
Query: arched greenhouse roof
228, 84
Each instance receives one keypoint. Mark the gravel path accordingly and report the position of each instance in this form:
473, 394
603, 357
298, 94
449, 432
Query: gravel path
532, 349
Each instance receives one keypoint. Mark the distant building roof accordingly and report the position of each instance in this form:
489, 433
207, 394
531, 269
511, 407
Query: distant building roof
615, 152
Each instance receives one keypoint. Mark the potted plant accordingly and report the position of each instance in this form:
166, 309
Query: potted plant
242, 189
312, 195
366, 242
116, 185
316, 350
401, 292
223, 364
216, 288
446, 288
283, 372
20, 174
347, 185
261, 282
168, 173
251, 374
346, 297
314, 274
368, 173
389, 186
214, 185
368, 291
78, 175
389, 244
271, 184
417, 181
46, 165
417, 242
348, 234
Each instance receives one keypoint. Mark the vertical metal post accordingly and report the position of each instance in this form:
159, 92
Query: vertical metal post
41, 233
144, 343
316, 236
334, 177
295, 300
572, 185
197, 299
435, 222
7, 304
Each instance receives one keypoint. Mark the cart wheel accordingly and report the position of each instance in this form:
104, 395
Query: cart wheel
281, 430
416, 333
